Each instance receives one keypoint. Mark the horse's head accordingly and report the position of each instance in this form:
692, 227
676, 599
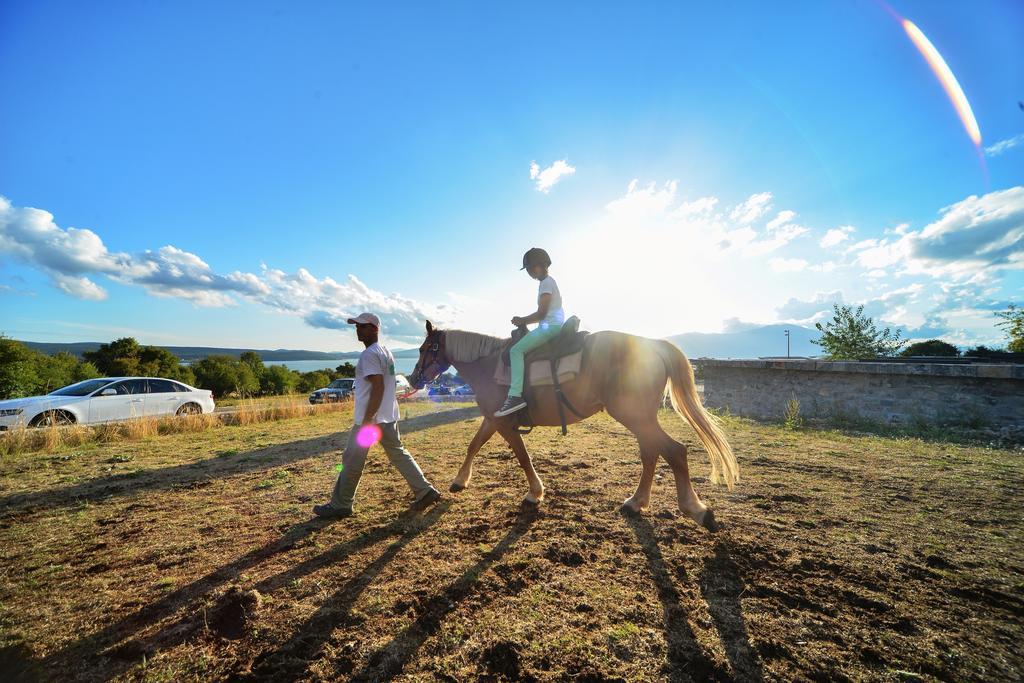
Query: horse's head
432, 361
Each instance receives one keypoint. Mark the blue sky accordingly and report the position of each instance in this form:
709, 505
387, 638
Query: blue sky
251, 174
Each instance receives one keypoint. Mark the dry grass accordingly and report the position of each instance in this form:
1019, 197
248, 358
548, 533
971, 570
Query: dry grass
55, 438
194, 557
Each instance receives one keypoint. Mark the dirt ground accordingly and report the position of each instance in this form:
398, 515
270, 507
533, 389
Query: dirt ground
194, 557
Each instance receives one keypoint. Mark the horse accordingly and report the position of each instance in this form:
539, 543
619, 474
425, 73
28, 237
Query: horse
624, 374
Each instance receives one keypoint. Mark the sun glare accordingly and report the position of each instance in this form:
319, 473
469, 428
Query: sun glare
946, 77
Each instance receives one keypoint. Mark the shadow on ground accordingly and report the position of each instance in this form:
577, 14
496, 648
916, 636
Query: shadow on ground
199, 473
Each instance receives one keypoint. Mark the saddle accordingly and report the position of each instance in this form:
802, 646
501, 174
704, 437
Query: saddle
557, 361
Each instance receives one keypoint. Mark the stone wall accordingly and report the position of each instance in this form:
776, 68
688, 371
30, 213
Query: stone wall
892, 393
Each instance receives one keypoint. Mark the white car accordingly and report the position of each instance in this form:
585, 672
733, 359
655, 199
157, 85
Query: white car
106, 399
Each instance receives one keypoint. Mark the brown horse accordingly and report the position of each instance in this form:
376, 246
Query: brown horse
623, 374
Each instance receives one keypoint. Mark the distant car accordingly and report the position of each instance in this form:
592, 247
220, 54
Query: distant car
463, 390
439, 391
107, 399
337, 390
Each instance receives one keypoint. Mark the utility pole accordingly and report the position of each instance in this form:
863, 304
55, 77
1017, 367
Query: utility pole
787, 343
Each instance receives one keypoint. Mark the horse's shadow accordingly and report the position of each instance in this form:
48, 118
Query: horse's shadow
686, 659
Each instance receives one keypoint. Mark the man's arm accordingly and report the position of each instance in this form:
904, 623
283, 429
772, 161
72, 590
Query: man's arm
376, 396
542, 311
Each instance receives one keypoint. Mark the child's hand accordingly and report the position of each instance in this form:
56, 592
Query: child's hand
517, 321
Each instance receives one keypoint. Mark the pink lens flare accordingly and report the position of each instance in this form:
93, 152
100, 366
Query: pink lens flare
368, 435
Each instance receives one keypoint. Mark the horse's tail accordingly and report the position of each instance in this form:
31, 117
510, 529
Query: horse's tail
687, 403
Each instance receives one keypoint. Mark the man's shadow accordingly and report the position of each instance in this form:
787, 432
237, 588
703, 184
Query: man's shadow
125, 655
389, 660
686, 659
292, 658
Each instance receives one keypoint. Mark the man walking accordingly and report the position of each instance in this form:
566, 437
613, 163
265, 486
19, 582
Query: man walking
376, 419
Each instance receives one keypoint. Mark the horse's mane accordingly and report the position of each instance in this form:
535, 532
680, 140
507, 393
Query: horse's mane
466, 347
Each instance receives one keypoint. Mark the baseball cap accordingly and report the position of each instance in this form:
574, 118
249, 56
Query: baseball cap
365, 319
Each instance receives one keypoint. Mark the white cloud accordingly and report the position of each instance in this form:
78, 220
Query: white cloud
781, 219
787, 265
698, 207
70, 255
1003, 145
546, 178
977, 233
799, 309
836, 236
863, 244
755, 206
79, 287
644, 202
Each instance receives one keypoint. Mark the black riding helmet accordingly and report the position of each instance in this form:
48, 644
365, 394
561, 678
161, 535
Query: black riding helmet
536, 257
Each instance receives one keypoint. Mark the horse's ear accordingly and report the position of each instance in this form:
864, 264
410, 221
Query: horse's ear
430, 328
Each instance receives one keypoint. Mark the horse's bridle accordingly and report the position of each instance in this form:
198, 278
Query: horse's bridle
437, 358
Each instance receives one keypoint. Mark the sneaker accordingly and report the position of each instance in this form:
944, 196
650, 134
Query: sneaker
511, 405
328, 511
426, 501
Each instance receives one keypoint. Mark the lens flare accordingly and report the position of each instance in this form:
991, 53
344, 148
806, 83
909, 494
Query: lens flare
946, 77
368, 435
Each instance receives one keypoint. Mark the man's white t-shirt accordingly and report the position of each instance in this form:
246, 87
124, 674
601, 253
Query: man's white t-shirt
555, 316
376, 360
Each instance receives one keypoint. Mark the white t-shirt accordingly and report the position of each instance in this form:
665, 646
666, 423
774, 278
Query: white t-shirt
376, 360
556, 315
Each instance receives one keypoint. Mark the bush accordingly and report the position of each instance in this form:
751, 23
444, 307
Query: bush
792, 419
932, 347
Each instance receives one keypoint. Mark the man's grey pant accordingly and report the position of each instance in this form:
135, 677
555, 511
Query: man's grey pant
354, 458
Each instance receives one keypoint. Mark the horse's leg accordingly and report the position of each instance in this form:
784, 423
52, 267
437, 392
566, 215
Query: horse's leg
641, 499
485, 432
689, 502
515, 440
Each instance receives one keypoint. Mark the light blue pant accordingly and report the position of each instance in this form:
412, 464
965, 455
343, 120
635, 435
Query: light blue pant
354, 458
538, 337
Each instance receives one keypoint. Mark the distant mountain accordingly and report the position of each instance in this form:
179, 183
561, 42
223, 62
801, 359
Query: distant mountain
768, 340
194, 353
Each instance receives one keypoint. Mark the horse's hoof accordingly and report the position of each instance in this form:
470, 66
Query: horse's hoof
530, 501
708, 521
456, 487
628, 510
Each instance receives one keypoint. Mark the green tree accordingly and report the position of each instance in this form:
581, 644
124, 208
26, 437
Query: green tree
17, 369
253, 360
346, 369
119, 358
85, 370
54, 372
277, 379
851, 335
311, 381
184, 374
156, 361
1013, 325
224, 375
932, 347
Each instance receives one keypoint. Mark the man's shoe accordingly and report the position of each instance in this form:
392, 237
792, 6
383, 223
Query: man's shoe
426, 501
511, 405
328, 511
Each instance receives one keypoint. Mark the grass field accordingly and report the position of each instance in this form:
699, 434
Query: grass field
194, 556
